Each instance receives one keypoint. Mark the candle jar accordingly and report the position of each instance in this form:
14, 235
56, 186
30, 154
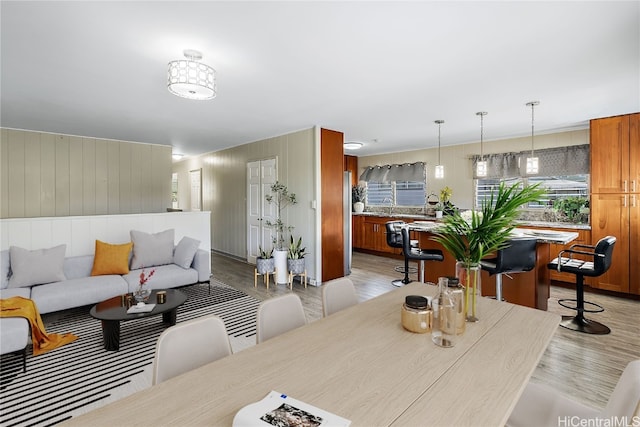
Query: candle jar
416, 315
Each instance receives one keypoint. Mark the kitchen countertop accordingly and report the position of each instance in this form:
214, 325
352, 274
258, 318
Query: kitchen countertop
541, 224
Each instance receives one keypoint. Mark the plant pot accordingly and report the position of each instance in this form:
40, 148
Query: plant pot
438, 214
280, 257
265, 265
296, 266
358, 207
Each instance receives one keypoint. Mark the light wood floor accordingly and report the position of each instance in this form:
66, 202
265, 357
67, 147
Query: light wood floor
585, 367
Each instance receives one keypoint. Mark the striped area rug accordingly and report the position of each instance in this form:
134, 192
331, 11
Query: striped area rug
82, 376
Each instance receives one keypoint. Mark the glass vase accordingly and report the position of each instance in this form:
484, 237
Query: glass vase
142, 294
469, 277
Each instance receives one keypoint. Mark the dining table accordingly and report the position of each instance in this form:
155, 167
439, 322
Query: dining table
362, 365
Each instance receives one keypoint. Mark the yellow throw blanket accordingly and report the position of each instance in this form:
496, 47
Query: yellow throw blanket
24, 307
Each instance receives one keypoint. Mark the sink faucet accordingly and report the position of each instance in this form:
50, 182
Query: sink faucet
388, 199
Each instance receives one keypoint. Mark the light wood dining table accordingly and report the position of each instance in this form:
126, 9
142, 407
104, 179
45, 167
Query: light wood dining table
362, 365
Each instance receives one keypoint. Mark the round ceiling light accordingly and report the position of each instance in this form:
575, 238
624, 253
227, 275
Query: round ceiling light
353, 145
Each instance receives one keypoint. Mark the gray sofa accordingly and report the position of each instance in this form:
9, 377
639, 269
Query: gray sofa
79, 288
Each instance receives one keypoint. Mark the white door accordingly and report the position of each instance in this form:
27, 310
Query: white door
260, 175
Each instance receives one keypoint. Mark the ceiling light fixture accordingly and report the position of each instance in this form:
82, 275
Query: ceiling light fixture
532, 162
439, 166
353, 145
191, 79
176, 156
481, 166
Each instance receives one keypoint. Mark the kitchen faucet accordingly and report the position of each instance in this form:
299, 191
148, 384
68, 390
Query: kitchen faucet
388, 199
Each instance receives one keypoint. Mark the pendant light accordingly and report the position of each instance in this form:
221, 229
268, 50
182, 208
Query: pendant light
439, 166
532, 162
481, 165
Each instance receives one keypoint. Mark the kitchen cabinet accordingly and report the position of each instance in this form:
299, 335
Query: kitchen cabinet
612, 216
615, 198
357, 231
369, 233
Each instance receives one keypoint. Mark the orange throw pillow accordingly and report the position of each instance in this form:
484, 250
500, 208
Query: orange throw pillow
111, 259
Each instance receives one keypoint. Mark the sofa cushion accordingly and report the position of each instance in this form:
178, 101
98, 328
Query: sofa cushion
36, 267
111, 259
150, 250
165, 276
185, 251
15, 292
77, 292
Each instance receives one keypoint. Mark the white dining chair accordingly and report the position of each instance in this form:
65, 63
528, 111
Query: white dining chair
278, 315
189, 345
337, 295
541, 405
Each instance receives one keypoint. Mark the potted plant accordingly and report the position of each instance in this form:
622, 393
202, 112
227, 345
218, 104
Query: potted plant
574, 209
282, 198
265, 262
439, 209
471, 235
295, 256
358, 193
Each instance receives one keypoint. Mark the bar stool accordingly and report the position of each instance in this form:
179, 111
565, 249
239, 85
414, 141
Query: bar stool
417, 254
517, 256
599, 262
394, 240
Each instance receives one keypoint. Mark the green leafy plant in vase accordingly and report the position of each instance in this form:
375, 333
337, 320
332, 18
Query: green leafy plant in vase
265, 263
472, 235
295, 255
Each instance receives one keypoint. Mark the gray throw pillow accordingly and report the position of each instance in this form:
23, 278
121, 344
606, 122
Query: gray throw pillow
36, 267
185, 251
151, 249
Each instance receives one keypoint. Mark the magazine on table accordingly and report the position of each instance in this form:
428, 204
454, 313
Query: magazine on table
140, 308
280, 410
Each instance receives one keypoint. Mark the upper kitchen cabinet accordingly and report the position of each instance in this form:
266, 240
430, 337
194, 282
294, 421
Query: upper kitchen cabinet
615, 150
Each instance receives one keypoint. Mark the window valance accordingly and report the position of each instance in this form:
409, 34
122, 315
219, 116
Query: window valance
400, 173
557, 161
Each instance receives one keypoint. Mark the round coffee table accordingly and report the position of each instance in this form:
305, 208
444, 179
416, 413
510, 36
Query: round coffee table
114, 310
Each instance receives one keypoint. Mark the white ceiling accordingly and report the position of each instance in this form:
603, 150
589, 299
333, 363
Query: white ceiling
381, 72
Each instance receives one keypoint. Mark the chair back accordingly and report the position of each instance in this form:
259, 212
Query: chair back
394, 238
624, 401
604, 254
518, 255
189, 345
337, 295
278, 315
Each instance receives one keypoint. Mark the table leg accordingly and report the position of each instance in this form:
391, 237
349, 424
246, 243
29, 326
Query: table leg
111, 334
170, 317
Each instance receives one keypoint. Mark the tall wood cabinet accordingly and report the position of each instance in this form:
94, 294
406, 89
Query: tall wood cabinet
615, 198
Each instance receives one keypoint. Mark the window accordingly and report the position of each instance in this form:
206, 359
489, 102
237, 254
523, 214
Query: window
379, 193
557, 188
405, 193
398, 185
410, 193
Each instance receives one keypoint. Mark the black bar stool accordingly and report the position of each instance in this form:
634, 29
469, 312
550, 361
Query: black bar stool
517, 256
394, 240
417, 254
600, 257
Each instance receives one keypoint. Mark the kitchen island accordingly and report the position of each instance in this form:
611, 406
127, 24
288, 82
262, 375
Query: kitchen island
529, 289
